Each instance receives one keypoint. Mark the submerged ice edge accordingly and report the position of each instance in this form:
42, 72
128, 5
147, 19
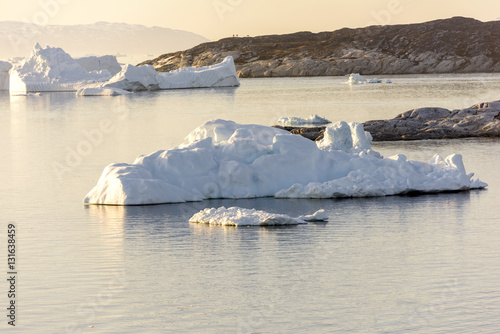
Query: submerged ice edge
223, 159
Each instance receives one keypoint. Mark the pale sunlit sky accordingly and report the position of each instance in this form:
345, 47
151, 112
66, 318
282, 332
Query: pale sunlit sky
216, 19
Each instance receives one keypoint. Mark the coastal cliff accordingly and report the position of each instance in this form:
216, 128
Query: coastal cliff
455, 45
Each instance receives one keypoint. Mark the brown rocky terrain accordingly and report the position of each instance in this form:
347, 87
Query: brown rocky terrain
480, 120
455, 45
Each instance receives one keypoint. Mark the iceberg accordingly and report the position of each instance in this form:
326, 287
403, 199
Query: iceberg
356, 78
293, 121
4, 75
235, 216
224, 159
93, 63
137, 78
51, 70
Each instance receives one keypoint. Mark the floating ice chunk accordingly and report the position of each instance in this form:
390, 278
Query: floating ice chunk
4, 75
101, 92
93, 63
312, 119
236, 216
318, 216
356, 78
223, 159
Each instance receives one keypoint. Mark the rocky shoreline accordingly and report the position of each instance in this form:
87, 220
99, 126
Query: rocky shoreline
480, 120
455, 45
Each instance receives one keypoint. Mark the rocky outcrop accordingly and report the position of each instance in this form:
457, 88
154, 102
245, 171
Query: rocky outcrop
456, 45
480, 120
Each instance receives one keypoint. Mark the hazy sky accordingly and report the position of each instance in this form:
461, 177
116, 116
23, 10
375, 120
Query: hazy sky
215, 19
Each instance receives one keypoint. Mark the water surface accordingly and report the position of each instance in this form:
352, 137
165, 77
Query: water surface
425, 264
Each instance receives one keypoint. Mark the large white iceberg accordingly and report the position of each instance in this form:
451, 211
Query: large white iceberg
223, 159
135, 78
52, 69
4, 75
235, 216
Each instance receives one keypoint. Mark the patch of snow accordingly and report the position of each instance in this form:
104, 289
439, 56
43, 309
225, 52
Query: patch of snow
293, 121
223, 159
235, 216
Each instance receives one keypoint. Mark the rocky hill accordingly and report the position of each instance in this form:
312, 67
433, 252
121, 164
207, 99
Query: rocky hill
456, 45
101, 38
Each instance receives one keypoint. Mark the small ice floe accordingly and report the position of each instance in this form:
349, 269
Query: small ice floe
235, 216
356, 78
294, 121
318, 216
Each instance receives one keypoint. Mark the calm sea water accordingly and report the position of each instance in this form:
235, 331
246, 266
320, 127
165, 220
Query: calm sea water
426, 264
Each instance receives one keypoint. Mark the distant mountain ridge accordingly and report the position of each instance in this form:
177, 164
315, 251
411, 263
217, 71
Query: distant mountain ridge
101, 38
455, 45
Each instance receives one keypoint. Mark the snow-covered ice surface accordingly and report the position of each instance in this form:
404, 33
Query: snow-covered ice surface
52, 69
235, 216
312, 119
4, 75
223, 159
93, 63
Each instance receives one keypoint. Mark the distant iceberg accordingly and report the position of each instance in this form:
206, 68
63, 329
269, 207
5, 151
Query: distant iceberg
4, 75
356, 79
311, 120
52, 70
223, 159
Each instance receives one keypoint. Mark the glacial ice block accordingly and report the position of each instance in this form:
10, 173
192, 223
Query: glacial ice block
4, 75
224, 159
235, 216
52, 70
145, 77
